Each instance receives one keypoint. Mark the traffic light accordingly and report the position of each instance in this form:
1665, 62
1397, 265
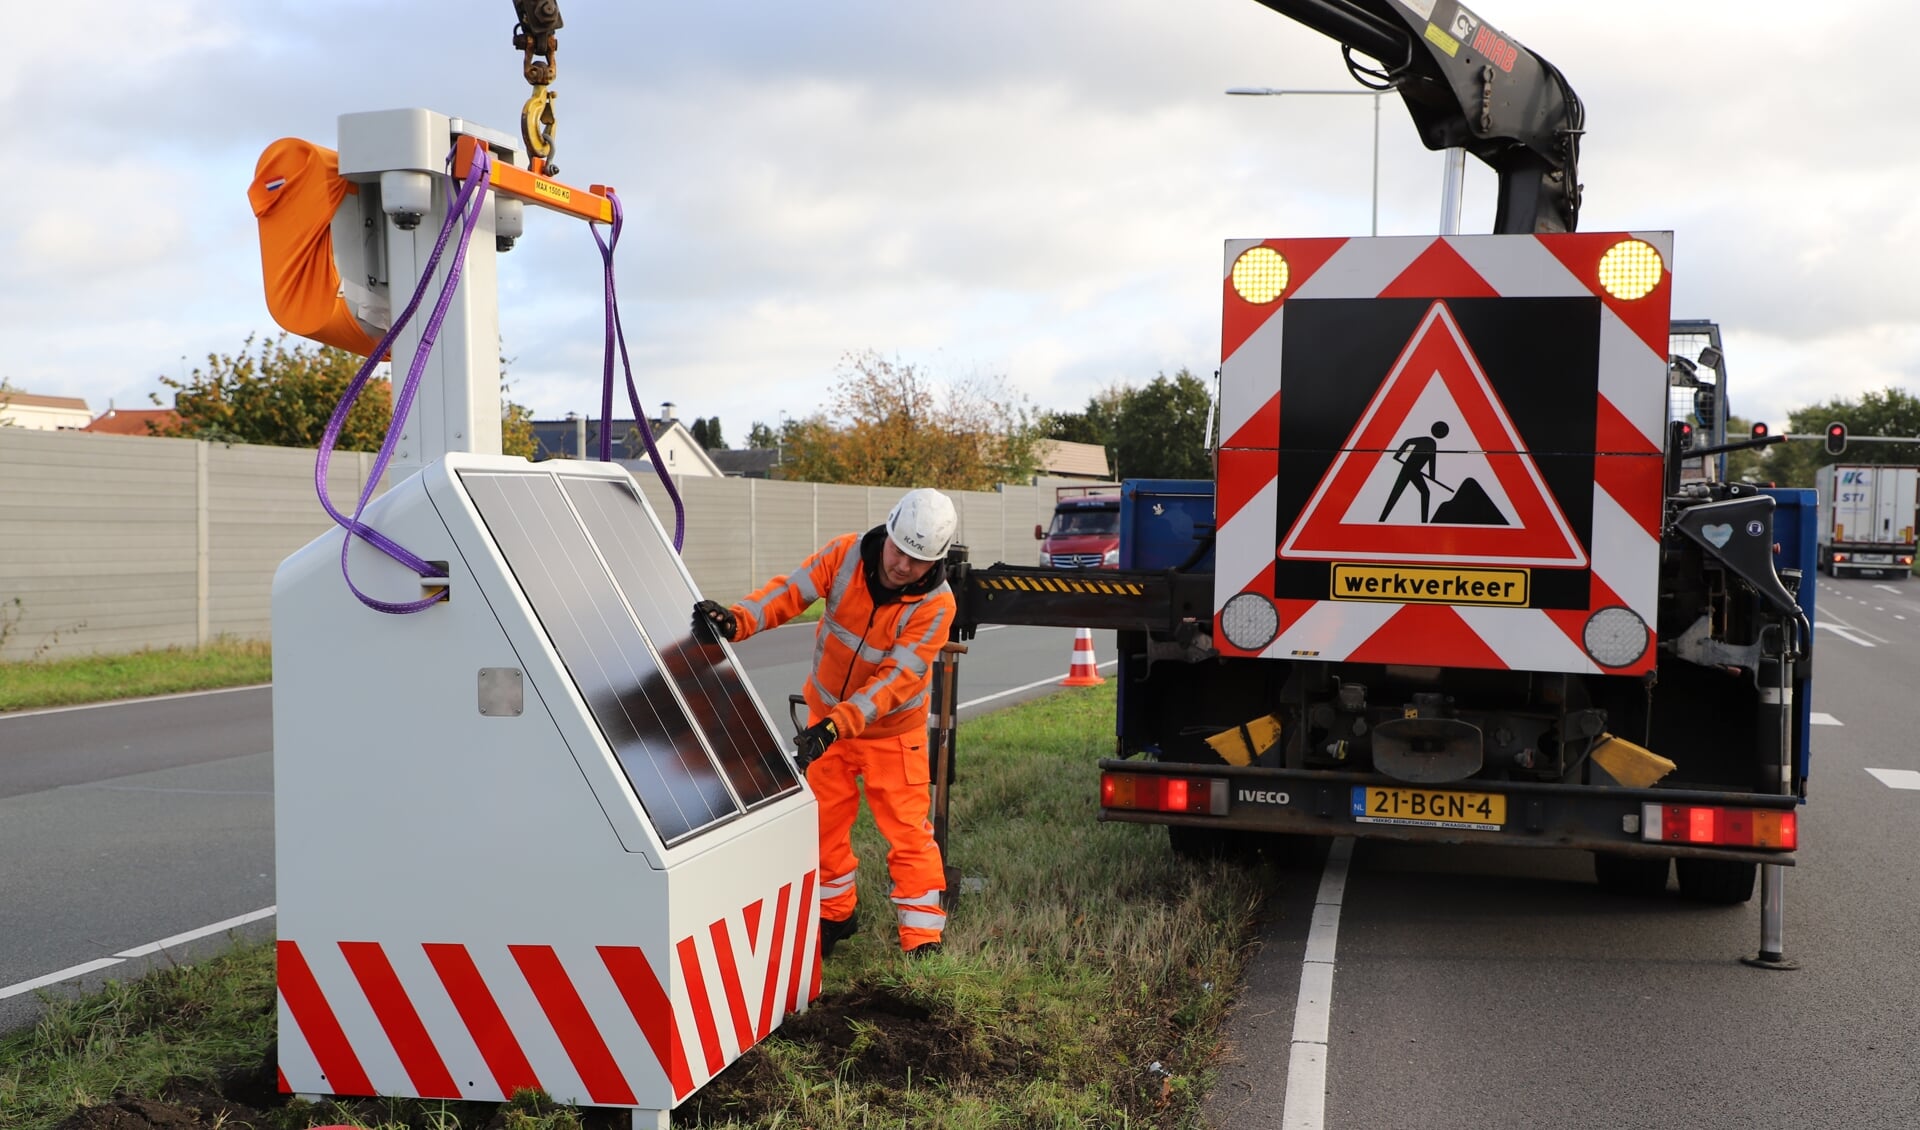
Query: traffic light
1836, 438
1760, 430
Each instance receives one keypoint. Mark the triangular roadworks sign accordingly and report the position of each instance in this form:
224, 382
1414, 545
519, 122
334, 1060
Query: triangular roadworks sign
1434, 471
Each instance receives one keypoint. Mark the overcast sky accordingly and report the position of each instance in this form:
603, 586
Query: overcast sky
1035, 189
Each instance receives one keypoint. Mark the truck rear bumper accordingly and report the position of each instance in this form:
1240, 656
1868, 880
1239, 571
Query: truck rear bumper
1312, 802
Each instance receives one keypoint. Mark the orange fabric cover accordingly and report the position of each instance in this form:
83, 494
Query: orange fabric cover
296, 189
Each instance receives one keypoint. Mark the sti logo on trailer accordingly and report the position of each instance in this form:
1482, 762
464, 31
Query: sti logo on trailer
1443, 451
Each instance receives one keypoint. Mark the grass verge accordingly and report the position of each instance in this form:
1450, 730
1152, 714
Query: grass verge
31, 684
1085, 985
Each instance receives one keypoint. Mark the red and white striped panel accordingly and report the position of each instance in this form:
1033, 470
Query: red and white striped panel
1629, 438
602, 1025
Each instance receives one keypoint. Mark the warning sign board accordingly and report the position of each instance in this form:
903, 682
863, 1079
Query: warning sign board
1435, 470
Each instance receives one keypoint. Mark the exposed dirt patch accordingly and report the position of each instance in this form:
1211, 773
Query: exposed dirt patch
873, 1036
184, 1112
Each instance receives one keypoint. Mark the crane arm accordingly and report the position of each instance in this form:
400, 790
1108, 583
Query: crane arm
1470, 85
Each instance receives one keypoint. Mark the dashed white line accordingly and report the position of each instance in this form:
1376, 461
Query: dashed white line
86, 967
1305, 1107
1844, 633
1820, 719
1888, 588
1892, 778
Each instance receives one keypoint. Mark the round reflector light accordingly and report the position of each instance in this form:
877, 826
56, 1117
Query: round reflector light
1250, 621
1615, 637
1630, 269
1260, 274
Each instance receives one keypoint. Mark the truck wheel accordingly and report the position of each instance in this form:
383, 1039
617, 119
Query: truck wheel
1630, 874
1724, 881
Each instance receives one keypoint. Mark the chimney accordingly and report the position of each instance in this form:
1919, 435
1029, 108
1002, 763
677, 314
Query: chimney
666, 411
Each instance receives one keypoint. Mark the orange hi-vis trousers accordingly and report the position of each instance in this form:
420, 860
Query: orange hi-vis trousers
894, 772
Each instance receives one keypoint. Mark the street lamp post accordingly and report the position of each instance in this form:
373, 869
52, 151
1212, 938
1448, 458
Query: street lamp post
1374, 94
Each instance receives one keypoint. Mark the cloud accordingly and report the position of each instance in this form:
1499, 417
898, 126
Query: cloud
1033, 188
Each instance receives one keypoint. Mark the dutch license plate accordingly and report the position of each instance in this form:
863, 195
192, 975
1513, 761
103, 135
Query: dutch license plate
1429, 808
1874, 558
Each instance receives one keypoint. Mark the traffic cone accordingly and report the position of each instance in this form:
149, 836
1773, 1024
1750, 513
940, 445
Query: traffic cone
1083, 672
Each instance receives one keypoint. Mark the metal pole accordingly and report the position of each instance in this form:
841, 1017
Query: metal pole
1778, 700
1376, 164
1452, 187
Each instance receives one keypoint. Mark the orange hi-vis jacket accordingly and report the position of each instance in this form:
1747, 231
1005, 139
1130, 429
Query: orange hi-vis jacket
872, 660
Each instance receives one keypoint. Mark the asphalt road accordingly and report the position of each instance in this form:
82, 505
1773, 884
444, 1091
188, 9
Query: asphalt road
1486, 986
135, 823
1473, 986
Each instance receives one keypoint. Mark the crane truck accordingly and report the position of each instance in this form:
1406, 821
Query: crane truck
1448, 584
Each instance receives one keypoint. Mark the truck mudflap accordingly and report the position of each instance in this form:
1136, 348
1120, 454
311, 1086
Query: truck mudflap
1667, 823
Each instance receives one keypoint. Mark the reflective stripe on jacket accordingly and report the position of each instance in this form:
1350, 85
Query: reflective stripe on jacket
872, 662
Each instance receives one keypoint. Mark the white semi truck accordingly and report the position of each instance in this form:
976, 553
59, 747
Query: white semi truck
1867, 518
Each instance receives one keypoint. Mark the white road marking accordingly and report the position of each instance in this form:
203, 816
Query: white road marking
1844, 633
1040, 683
236, 921
125, 701
989, 628
1877, 608
1306, 1102
84, 968
56, 978
1820, 719
1898, 778
1888, 588
1897, 616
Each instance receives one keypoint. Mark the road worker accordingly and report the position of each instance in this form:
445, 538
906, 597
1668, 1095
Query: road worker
888, 612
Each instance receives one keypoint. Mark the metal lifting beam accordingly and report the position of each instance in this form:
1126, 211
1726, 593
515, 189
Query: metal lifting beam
1121, 600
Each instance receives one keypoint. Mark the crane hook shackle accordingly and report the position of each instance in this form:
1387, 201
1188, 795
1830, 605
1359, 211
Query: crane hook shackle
533, 34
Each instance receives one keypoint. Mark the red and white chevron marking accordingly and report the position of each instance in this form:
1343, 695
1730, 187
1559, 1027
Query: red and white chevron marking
605, 1025
1627, 490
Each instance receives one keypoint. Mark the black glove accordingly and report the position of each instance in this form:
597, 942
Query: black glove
813, 741
712, 621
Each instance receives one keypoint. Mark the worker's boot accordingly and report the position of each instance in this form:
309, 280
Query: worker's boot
833, 930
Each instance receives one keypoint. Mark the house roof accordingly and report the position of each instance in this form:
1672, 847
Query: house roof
30, 400
132, 421
553, 438
1063, 457
746, 461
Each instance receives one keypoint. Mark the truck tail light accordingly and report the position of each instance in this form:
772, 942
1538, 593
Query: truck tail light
1720, 826
1906, 559
1153, 792
1843, 557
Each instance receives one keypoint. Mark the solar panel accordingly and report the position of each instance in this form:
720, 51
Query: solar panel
722, 704
629, 693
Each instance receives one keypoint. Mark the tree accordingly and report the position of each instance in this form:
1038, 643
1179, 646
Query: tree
277, 394
516, 426
761, 436
699, 432
1161, 429
714, 439
893, 425
6, 398
283, 395
1888, 412
516, 420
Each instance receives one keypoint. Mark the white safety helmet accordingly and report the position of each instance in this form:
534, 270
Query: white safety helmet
922, 524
